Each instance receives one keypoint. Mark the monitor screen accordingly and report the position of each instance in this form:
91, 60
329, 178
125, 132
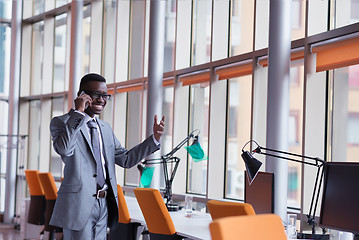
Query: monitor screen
260, 193
340, 202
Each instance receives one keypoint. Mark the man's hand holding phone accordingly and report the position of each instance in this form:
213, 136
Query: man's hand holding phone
82, 102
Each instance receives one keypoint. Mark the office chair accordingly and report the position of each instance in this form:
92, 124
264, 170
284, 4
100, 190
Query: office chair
220, 209
37, 198
253, 227
48, 185
158, 220
125, 229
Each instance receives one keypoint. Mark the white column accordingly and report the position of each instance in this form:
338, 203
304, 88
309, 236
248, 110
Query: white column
155, 73
278, 98
76, 50
13, 111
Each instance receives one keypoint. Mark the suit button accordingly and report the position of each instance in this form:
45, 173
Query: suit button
95, 175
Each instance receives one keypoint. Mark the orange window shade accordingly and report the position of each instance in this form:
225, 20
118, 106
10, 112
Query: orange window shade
111, 91
168, 82
293, 57
336, 55
195, 78
130, 88
234, 71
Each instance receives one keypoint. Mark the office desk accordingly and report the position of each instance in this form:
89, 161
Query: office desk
195, 227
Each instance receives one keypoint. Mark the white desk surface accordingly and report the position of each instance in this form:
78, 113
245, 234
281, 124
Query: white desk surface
194, 227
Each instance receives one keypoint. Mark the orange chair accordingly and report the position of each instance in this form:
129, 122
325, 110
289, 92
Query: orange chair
253, 227
220, 209
37, 198
48, 185
125, 229
158, 220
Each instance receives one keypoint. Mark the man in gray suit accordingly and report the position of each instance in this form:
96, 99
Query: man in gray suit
87, 199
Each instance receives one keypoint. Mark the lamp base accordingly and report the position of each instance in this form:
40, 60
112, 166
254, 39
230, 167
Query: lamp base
172, 206
313, 236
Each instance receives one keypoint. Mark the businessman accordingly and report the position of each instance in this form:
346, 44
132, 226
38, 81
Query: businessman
87, 199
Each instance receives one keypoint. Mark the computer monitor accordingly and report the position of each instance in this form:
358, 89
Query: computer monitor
260, 193
340, 202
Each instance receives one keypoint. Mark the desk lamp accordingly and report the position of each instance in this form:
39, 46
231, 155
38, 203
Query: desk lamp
169, 158
252, 166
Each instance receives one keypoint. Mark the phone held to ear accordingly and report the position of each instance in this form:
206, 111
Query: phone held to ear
87, 103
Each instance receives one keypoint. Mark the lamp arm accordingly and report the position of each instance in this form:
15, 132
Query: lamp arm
175, 149
287, 158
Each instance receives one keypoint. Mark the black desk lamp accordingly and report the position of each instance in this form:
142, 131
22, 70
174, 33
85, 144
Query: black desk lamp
252, 166
166, 159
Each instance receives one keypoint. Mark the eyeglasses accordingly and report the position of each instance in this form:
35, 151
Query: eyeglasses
97, 95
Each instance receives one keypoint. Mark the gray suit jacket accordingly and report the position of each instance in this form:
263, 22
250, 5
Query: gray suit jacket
76, 194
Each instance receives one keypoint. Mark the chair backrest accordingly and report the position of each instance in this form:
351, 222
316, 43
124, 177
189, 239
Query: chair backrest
253, 227
48, 185
33, 182
154, 210
123, 213
220, 209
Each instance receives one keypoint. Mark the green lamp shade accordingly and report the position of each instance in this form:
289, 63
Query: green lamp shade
196, 152
146, 177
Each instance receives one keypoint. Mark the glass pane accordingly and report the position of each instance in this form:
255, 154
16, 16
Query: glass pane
298, 19
109, 38
5, 9
55, 161
134, 115
345, 114
37, 57
137, 29
220, 29
86, 31
107, 113
183, 39
295, 131
167, 111
5, 47
238, 133
60, 3
242, 16
317, 16
201, 33
60, 53
199, 110
34, 134
170, 34
262, 26
346, 12
39, 6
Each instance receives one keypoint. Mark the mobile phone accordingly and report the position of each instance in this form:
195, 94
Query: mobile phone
87, 104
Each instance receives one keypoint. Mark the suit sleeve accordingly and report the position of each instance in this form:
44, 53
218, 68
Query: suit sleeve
64, 132
129, 158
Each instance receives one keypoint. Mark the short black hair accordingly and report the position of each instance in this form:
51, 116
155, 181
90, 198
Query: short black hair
91, 77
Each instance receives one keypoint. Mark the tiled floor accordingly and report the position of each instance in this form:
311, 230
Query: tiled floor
8, 232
